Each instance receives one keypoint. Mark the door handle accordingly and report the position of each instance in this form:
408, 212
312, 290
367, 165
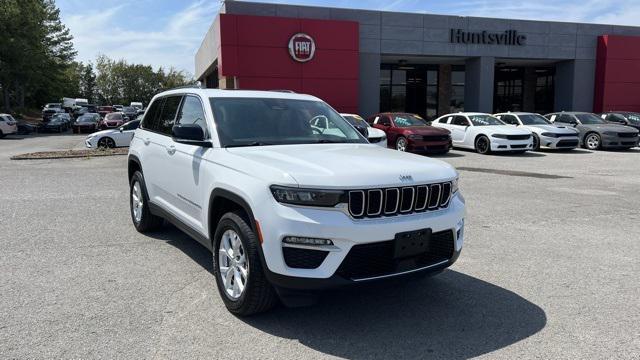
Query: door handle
171, 150
146, 141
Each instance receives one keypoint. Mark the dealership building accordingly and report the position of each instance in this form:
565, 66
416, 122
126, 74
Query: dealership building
365, 61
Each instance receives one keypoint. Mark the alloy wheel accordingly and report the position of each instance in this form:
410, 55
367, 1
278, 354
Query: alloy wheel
593, 142
482, 144
401, 145
137, 202
233, 264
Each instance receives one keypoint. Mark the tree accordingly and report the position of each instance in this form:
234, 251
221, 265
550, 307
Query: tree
88, 83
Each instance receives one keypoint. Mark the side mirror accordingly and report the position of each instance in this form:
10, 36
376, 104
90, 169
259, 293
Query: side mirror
190, 134
363, 130
121, 128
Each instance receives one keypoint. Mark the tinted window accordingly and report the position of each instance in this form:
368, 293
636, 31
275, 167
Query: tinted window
616, 118
168, 114
150, 118
509, 119
131, 125
587, 118
566, 119
533, 119
484, 120
460, 120
408, 120
192, 113
384, 121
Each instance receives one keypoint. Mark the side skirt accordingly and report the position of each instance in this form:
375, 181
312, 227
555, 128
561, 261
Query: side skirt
158, 211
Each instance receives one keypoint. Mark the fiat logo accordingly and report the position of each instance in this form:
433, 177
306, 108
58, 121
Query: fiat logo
302, 47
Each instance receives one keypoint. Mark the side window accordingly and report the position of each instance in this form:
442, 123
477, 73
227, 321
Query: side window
509, 119
384, 121
563, 119
149, 121
460, 120
132, 125
447, 120
616, 118
192, 113
168, 114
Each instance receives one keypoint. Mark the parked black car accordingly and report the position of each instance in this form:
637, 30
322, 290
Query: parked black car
56, 124
130, 112
628, 118
66, 118
26, 129
86, 123
84, 109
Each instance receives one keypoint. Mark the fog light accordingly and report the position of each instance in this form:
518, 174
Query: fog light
306, 241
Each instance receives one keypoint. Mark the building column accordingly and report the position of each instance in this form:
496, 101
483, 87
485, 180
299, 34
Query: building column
228, 82
369, 88
574, 85
529, 89
478, 84
444, 89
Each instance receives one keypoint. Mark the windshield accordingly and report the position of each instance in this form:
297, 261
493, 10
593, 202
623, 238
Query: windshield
484, 120
587, 118
263, 121
533, 119
113, 116
356, 120
633, 118
129, 109
406, 120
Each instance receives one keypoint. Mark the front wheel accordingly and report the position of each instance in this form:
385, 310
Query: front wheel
592, 141
237, 268
106, 143
141, 215
483, 145
536, 143
401, 144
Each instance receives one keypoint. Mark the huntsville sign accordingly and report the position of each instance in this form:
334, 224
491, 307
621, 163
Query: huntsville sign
509, 37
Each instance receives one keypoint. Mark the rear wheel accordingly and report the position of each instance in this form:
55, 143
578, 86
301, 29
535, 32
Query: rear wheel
401, 144
141, 215
483, 145
592, 141
237, 268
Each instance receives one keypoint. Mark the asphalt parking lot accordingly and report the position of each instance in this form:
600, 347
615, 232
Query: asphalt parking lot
549, 270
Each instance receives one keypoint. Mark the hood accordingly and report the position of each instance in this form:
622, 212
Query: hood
425, 130
559, 129
611, 127
505, 129
338, 165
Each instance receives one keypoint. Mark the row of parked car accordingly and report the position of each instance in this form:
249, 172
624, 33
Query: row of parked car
503, 132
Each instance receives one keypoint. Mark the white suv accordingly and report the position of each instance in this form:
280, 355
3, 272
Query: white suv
8, 125
284, 208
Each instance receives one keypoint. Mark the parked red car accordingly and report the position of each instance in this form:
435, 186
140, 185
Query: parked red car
111, 120
104, 110
410, 132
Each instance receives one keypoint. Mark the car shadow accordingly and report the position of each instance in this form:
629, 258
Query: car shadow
451, 315
450, 154
578, 151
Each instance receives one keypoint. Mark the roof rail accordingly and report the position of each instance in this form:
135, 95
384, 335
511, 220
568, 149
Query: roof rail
192, 86
284, 91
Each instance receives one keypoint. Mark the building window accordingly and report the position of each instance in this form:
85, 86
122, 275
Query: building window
409, 88
456, 103
508, 89
544, 99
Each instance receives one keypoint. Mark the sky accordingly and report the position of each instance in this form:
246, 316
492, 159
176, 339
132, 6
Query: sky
167, 33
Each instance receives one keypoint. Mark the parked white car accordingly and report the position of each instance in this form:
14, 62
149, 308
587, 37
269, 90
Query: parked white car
112, 138
484, 133
8, 125
375, 136
282, 206
544, 133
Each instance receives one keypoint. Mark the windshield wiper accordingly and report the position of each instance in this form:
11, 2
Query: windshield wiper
254, 143
327, 141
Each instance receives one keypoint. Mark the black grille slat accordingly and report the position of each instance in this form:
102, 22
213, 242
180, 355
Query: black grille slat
376, 259
518, 137
627, 135
435, 137
303, 258
403, 200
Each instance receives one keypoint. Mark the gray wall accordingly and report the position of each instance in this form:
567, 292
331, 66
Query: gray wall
390, 33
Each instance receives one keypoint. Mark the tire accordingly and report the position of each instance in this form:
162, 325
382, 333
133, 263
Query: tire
1, 134
107, 143
483, 145
592, 141
143, 220
536, 143
258, 295
402, 144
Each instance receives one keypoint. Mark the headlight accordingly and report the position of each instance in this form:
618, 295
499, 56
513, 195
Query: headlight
454, 186
415, 137
548, 134
499, 136
308, 197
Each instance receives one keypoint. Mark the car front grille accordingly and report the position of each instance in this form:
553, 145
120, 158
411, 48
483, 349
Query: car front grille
627, 135
371, 203
377, 259
567, 135
518, 146
567, 143
518, 137
303, 258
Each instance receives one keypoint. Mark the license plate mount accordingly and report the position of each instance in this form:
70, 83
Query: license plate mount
411, 243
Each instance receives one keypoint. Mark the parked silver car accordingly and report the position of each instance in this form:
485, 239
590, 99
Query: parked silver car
595, 133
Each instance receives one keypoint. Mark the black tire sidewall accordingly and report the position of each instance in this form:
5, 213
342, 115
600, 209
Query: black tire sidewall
148, 221
488, 144
406, 143
536, 142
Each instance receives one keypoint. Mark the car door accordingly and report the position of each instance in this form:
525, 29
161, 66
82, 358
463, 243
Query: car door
158, 150
458, 126
186, 167
123, 137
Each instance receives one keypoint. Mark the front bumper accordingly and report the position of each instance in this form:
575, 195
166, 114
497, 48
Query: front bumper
615, 141
420, 146
568, 142
498, 144
346, 233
